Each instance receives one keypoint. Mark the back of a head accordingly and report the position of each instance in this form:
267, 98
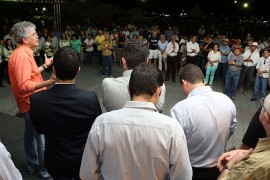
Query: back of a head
191, 73
144, 80
21, 29
135, 52
66, 62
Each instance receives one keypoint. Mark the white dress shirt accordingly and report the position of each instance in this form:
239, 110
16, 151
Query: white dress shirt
191, 46
135, 143
171, 50
8, 171
264, 64
208, 119
255, 56
115, 92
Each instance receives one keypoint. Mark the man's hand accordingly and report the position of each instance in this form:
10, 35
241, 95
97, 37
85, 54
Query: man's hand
233, 157
52, 79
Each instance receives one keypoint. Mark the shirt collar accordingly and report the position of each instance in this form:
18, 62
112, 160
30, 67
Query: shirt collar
127, 73
263, 144
140, 105
200, 90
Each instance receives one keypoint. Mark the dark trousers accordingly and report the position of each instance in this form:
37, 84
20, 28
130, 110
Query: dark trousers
245, 76
221, 71
100, 57
66, 178
171, 66
5, 64
1, 73
211, 173
193, 60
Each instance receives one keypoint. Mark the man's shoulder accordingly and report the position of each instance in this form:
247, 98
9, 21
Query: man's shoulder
115, 81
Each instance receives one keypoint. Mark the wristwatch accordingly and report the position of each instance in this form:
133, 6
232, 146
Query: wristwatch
227, 167
44, 67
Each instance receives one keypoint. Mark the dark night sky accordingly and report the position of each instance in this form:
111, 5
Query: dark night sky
256, 8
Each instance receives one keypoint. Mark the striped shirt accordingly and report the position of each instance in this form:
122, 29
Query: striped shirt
8, 171
257, 166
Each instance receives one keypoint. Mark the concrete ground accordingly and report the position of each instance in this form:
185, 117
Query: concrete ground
12, 127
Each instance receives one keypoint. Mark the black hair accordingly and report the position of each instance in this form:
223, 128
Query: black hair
66, 62
135, 52
145, 79
191, 73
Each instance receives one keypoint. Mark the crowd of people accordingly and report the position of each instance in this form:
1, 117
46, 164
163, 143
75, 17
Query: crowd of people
68, 137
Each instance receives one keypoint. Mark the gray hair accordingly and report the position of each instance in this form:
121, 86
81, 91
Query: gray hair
21, 29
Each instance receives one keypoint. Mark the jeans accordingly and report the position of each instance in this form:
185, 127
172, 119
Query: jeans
232, 79
210, 71
88, 57
33, 147
109, 58
246, 75
258, 82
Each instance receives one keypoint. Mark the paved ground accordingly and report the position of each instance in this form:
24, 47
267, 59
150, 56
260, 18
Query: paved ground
11, 127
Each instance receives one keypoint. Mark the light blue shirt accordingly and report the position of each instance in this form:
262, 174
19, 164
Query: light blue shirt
208, 119
136, 142
162, 46
226, 49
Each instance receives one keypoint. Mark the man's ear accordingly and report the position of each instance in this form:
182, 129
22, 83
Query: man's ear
79, 69
266, 118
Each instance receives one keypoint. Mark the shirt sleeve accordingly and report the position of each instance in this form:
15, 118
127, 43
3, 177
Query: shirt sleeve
7, 167
254, 131
161, 99
180, 167
90, 165
23, 73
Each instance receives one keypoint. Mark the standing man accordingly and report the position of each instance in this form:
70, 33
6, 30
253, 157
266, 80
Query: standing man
137, 142
223, 64
98, 40
153, 47
193, 50
208, 119
263, 67
172, 52
64, 114
251, 57
26, 79
114, 90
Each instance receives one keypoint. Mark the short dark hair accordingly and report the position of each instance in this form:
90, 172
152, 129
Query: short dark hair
145, 79
135, 53
66, 62
191, 73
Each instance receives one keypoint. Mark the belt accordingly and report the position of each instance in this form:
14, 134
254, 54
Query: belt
209, 170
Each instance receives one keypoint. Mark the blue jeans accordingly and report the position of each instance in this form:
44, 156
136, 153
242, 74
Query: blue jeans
104, 64
258, 82
210, 71
232, 79
33, 147
88, 57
